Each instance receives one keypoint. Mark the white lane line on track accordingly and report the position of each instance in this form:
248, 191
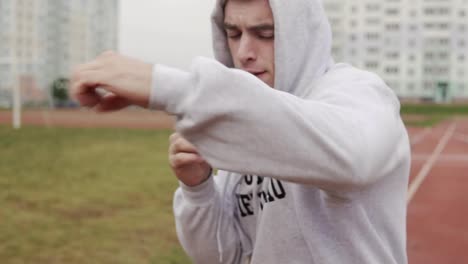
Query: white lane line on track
430, 162
420, 136
446, 157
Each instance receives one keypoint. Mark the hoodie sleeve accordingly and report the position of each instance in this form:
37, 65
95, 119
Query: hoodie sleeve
344, 137
205, 223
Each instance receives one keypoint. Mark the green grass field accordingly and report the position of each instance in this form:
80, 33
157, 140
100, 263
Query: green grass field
86, 196
430, 114
99, 195
433, 109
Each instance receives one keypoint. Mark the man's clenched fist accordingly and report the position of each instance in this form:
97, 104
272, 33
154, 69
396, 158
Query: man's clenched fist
186, 163
125, 81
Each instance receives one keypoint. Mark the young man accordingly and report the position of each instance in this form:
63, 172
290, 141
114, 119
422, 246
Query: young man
312, 171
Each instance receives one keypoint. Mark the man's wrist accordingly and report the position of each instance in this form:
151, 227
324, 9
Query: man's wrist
201, 181
199, 194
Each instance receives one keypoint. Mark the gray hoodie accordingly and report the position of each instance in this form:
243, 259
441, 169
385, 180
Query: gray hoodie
313, 171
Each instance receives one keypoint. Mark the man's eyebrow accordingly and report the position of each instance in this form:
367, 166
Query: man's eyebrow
227, 25
259, 27
262, 27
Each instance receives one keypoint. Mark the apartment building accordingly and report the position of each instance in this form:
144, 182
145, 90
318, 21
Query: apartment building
41, 40
419, 47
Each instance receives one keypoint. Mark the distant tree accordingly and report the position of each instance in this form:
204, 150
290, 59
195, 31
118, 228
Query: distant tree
59, 89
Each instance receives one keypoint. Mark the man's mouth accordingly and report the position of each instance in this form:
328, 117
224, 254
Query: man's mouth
258, 73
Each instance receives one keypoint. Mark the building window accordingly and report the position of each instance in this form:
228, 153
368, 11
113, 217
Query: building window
392, 11
444, 41
393, 55
372, 36
429, 11
428, 86
372, 64
372, 20
428, 25
443, 55
4, 68
436, 11
372, 50
429, 55
372, 7
443, 26
392, 27
392, 70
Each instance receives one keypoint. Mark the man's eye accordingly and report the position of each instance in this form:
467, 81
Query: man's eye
233, 35
266, 36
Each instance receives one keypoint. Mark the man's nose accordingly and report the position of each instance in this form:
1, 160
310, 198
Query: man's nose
247, 51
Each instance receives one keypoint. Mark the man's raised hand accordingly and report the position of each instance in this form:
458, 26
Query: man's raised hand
123, 81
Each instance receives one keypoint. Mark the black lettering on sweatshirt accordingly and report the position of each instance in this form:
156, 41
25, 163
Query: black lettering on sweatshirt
243, 200
274, 191
278, 189
248, 179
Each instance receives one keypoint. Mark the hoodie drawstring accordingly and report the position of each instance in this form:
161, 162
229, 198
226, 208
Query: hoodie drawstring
220, 218
221, 213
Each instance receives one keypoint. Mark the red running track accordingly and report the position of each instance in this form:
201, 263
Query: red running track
438, 211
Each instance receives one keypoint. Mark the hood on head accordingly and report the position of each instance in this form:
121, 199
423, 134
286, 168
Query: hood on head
303, 40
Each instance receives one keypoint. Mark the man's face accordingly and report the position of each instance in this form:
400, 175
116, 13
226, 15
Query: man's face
250, 32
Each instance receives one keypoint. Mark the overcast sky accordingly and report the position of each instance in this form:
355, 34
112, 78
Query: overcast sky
165, 31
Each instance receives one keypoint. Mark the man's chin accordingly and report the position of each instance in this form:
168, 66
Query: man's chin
266, 80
